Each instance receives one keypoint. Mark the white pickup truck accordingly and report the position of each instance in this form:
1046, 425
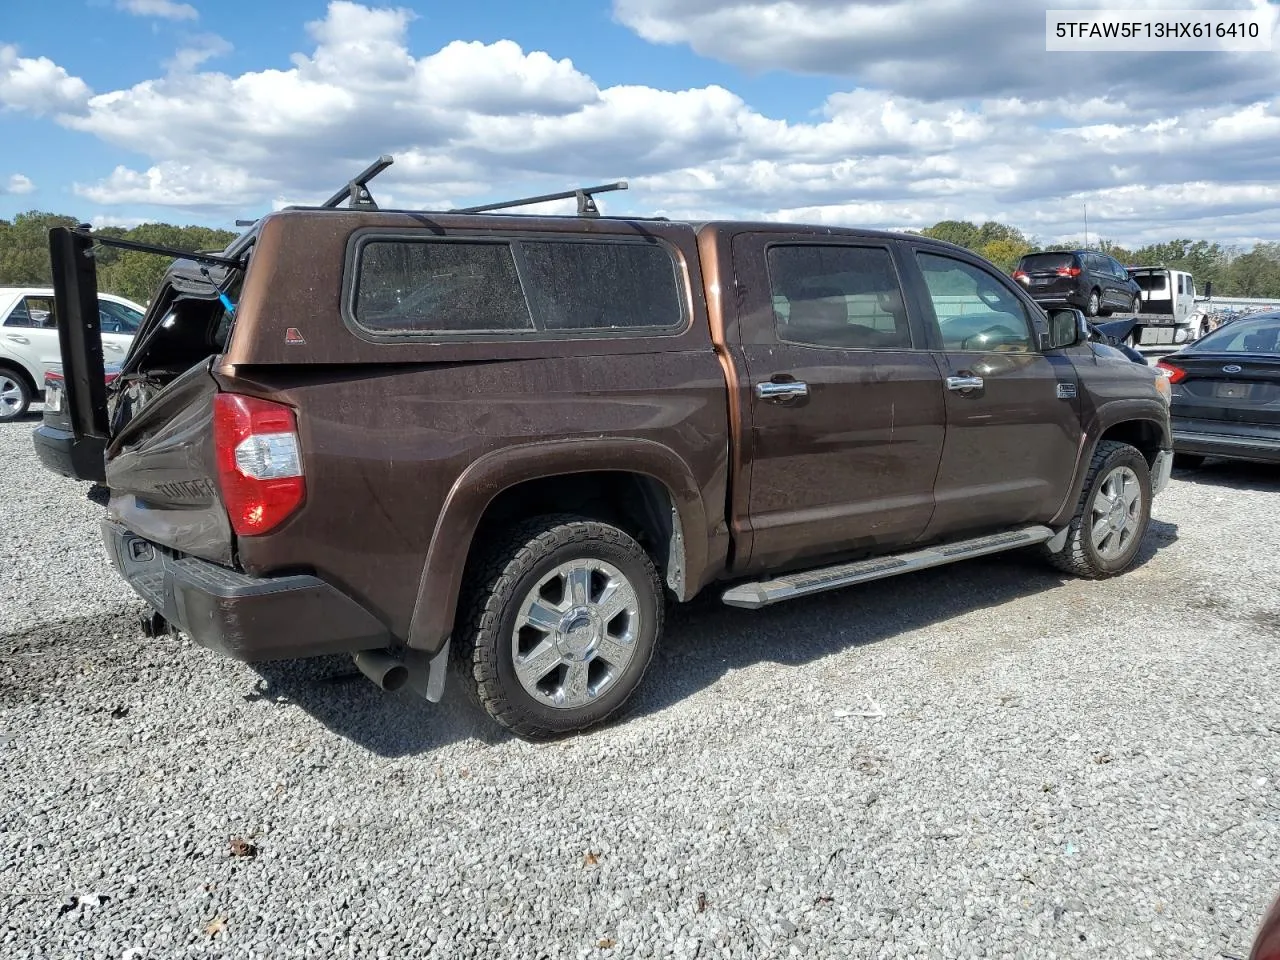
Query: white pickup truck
29, 341
1171, 311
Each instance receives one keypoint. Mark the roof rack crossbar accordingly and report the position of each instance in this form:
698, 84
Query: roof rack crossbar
584, 195
356, 192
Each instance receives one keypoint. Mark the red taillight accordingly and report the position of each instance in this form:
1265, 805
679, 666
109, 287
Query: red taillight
111, 377
51, 375
259, 462
1172, 373
1068, 271
1020, 275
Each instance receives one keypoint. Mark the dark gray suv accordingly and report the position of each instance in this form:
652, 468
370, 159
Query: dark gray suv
1094, 282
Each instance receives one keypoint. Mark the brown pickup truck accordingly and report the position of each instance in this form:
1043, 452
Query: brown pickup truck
508, 441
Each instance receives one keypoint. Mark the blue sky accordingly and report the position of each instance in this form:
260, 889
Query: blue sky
887, 113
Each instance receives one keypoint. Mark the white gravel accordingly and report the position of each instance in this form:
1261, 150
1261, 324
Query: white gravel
982, 761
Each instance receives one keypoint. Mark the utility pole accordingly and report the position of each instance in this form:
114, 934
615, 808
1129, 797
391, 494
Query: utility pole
1086, 226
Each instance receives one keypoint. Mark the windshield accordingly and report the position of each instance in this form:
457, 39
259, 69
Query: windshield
1255, 335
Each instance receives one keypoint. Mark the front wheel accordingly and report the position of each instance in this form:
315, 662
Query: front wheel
559, 624
1112, 516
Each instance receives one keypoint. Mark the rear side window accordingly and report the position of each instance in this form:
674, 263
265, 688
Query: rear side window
427, 286
1153, 282
602, 286
435, 287
837, 296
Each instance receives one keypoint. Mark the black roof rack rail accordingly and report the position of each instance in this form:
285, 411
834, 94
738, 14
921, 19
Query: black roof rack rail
584, 195
356, 192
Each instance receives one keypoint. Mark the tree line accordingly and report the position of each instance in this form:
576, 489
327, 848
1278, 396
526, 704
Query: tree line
24, 254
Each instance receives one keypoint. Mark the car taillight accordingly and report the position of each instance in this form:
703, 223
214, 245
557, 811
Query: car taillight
1068, 271
259, 462
1172, 374
1020, 275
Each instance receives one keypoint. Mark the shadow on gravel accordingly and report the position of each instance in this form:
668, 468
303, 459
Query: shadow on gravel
400, 724
704, 640
1233, 475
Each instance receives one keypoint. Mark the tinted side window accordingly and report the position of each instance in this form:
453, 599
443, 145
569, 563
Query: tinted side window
424, 286
602, 285
515, 286
837, 296
974, 310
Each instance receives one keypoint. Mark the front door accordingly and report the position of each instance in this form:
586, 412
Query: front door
846, 414
1013, 422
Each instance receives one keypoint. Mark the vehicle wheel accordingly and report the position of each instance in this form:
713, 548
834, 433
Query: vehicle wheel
1091, 308
15, 395
558, 625
1112, 516
1187, 461
1136, 306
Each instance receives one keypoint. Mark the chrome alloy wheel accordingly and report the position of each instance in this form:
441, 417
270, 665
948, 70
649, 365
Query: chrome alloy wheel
10, 397
575, 633
1116, 514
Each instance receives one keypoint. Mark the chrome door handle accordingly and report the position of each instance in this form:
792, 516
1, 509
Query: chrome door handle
787, 390
17, 339
964, 383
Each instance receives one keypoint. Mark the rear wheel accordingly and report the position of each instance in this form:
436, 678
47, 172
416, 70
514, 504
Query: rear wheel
1136, 306
15, 395
1112, 516
561, 620
1093, 305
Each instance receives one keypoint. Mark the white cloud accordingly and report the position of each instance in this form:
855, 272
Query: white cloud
199, 50
165, 9
18, 185
473, 120
38, 85
941, 49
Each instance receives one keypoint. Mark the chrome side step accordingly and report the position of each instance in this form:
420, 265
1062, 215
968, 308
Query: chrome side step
752, 596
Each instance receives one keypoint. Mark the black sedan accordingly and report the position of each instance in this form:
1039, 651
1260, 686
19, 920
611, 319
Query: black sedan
1226, 393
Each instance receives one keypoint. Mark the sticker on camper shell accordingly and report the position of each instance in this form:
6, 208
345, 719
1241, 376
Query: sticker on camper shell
294, 335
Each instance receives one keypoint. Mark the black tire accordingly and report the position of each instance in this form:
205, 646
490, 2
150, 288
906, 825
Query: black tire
1187, 461
1136, 307
1093, 304
504, 577
1080, 557
15, 394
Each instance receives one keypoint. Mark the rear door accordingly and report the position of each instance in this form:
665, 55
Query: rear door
29, 331
846, 413
1013, 421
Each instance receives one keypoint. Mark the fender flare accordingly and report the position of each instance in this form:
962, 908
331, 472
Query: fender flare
1111, 414
499, 470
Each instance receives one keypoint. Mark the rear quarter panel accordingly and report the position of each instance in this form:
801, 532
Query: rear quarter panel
388, 430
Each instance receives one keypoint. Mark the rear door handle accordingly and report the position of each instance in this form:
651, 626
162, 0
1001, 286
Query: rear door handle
964, 383
787, 390
17, 339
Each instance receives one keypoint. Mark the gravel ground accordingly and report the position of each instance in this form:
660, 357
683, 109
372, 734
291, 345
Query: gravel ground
981, 761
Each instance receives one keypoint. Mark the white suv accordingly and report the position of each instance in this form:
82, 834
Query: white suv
29, 341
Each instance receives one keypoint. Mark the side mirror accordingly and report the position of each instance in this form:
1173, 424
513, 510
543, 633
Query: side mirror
1208, 290
1067, 327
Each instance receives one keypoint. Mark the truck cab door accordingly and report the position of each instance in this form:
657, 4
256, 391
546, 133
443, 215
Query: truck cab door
1013, 414
845, 416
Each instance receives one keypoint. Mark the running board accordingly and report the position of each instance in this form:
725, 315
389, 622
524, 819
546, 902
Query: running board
752, 596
